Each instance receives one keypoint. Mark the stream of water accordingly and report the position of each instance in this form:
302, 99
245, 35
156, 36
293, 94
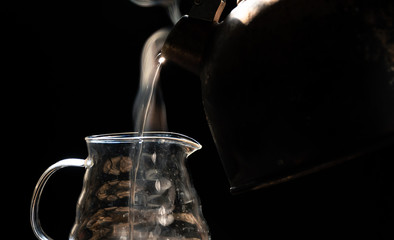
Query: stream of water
149, 109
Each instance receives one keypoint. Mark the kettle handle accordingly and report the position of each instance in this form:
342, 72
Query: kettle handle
34, 219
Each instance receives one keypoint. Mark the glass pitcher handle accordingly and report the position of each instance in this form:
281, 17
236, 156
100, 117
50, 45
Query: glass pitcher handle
34, 220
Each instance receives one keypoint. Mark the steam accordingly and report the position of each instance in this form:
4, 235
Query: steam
173, 11
171, 5
149, 111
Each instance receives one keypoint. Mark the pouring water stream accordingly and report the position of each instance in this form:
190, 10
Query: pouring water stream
148, 103
148, 93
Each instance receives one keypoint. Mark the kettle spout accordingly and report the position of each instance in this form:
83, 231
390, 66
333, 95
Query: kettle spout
186, 43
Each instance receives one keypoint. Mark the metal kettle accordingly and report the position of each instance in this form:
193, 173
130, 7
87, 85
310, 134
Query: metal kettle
291, 87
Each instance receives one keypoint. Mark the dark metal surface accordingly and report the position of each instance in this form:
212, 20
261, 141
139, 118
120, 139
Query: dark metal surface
186, 43
292, 87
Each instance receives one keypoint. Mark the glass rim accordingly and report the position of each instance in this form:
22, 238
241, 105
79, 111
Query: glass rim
128, 137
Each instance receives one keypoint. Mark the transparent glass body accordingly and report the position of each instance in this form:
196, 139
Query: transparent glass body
134, 188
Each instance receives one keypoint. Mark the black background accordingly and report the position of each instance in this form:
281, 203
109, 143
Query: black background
70, 69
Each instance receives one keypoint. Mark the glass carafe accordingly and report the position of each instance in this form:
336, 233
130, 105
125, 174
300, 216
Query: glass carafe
135, 187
